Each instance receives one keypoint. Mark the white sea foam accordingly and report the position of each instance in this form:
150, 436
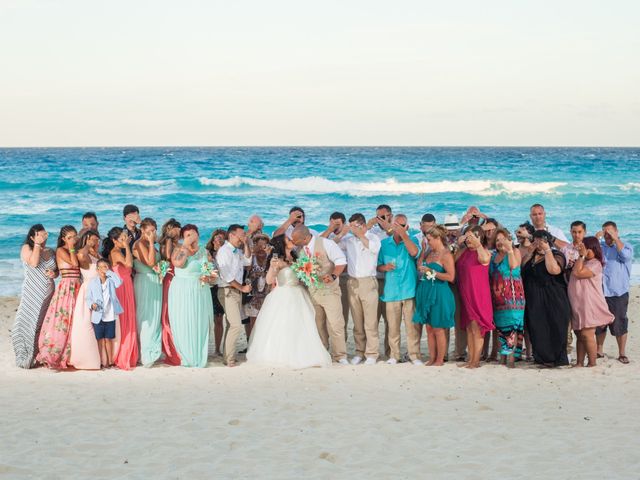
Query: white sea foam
133, 182
391, 186
630, 187
148, 183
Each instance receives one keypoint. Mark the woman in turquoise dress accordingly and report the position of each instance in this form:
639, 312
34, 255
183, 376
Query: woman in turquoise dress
148, 292
435, 304
190, 306
507, 293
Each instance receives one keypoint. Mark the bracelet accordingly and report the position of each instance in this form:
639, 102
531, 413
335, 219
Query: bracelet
37, 245
547, 251
72, 250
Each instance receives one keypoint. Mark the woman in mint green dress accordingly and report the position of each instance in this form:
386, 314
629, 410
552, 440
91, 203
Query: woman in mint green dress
190, 307
148, 292
435, 304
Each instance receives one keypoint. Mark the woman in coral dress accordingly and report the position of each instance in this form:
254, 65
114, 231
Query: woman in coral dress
84, 347
117, 249
168, 243
54, 342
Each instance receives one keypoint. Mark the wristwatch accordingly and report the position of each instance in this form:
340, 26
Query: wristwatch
334, 276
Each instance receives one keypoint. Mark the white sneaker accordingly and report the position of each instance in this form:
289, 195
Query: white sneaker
418, 362
392, 361
356, 360
343, 361
370, 361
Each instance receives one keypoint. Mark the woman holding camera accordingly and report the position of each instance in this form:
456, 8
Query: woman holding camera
547, 311
507, 294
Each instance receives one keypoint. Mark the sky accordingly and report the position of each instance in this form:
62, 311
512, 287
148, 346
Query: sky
349, 72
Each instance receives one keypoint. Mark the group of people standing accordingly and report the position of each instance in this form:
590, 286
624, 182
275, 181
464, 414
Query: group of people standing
138, 295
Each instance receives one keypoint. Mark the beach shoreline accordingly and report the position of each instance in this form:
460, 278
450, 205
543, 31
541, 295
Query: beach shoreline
386, 421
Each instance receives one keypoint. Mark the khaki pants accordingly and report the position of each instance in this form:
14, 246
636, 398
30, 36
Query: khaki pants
344, 291
382, 312
329, 320
397, 312
363, 300
231, 301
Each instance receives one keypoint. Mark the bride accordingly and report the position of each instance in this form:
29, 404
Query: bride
285, 333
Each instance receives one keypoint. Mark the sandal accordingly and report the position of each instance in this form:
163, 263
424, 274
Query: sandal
600, 355
623, 359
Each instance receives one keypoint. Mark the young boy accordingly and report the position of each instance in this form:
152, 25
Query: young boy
104, 305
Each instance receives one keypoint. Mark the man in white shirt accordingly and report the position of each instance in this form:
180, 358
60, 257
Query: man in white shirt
296, 217
361, 249
539, 220
326, 300
336, 231
232, 257
382, 227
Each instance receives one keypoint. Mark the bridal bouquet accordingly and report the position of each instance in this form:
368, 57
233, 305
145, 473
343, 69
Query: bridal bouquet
307, 269
207, 270
161, 268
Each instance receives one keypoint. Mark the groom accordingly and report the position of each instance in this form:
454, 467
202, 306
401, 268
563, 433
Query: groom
327, 298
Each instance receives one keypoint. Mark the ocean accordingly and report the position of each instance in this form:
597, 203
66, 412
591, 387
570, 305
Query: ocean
213, 187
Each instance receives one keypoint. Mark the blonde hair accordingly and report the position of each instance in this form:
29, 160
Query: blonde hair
439, 231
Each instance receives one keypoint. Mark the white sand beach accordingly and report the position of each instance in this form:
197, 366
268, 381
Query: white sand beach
342, 422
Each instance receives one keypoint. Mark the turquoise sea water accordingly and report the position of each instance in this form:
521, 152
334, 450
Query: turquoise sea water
213, 187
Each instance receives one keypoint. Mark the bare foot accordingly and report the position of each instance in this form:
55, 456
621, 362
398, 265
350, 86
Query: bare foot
429, 363
438, 364
464, 365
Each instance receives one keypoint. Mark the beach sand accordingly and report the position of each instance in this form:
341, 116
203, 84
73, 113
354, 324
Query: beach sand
351, 422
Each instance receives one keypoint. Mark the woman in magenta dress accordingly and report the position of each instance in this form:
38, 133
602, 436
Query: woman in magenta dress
476, 312
168, 242
54, 345
588, 306
117, 249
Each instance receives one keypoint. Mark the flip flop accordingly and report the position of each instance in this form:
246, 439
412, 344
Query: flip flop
623, 359
600, 355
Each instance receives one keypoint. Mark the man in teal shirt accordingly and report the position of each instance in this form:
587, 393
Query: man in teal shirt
397, 258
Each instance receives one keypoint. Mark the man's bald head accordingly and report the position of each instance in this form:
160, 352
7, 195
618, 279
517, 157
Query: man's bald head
301, 235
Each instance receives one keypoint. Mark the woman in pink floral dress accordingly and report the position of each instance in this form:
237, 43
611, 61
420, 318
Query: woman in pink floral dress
54, 343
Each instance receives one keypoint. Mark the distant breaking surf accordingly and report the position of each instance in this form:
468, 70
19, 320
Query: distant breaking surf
391, 186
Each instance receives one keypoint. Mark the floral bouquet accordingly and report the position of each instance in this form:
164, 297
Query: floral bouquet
161, 268
307, 269
207, 269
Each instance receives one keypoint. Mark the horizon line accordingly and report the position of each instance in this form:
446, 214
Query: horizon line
316, 146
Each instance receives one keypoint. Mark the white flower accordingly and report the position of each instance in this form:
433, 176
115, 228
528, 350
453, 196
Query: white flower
430, 275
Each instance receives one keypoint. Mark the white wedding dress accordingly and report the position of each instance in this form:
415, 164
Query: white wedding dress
285, 333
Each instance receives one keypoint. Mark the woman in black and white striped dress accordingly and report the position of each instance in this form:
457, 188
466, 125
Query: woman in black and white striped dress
37, 289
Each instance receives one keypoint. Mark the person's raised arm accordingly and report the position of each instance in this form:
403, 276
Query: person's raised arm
282, 229
179, 256
31, 256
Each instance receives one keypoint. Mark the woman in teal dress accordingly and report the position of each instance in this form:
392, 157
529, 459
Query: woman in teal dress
435, 304
190, 307
148, 292
507, 293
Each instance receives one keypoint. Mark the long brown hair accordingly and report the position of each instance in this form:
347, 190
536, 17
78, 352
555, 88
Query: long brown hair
210, 243
168, 225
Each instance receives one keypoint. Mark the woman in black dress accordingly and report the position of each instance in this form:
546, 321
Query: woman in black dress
547, 311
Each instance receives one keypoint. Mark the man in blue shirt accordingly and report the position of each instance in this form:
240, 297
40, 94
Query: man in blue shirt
397, 258
618, 256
